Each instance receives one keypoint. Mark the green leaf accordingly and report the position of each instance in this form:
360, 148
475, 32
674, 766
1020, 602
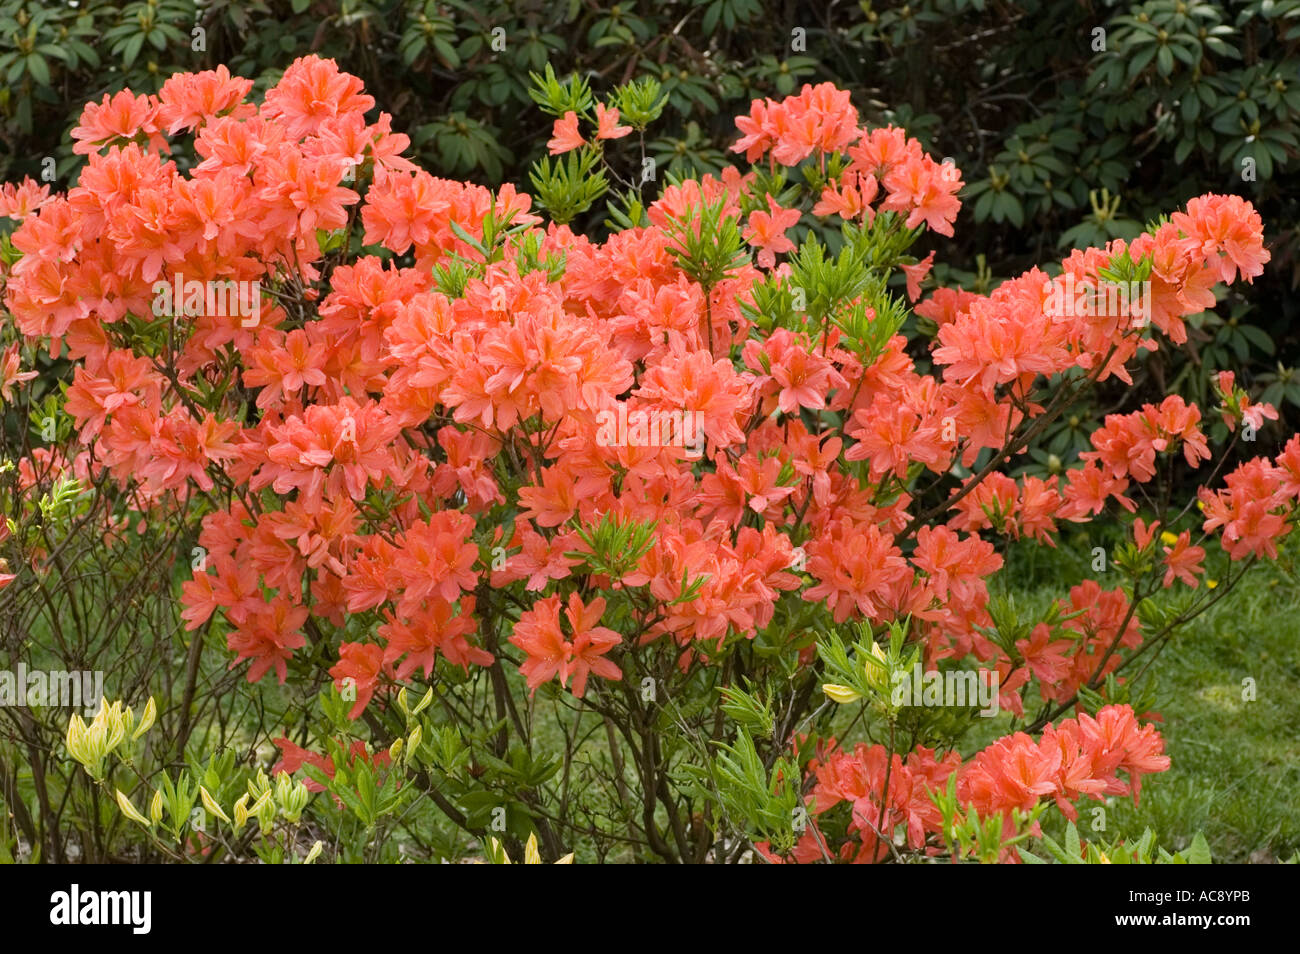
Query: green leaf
132, 49
38, 68
1165, 61
1198, 852
1072, 844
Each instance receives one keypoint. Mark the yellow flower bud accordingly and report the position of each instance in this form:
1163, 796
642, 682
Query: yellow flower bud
497, 854
114, 725
265, 811
841, 694
424, 702
211, 805
877, 677
312, 855
97, 738
283, 789
292, 799
413, 743
156, 806
94, 746
257, 785
76, 739
129, 811
531, 855
146, 720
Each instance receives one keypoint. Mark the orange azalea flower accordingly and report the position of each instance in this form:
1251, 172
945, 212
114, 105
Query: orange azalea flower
121, 117
1142, 534
17, 202
766, 231
189, 99
312, 93
359, 667
590, 643
9, 373
539, 634
915, 274
607, 123
565, 135
1227, 231
1183, 561
818, 118
851, 199
268, 637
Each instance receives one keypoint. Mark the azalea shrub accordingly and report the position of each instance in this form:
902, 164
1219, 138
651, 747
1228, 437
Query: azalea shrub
467, 535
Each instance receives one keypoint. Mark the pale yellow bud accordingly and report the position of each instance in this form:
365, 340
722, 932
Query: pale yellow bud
146, 720
877, 677
531, 855
283, 789
211, 805
264, 808
496, 853
424, 702
76, 739
129, 811
841, 694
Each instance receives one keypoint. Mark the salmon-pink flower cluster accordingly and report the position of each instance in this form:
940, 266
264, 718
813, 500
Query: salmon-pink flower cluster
1075, 759
818, 119
1127, 444
1256, 507
565, 135
577, 653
